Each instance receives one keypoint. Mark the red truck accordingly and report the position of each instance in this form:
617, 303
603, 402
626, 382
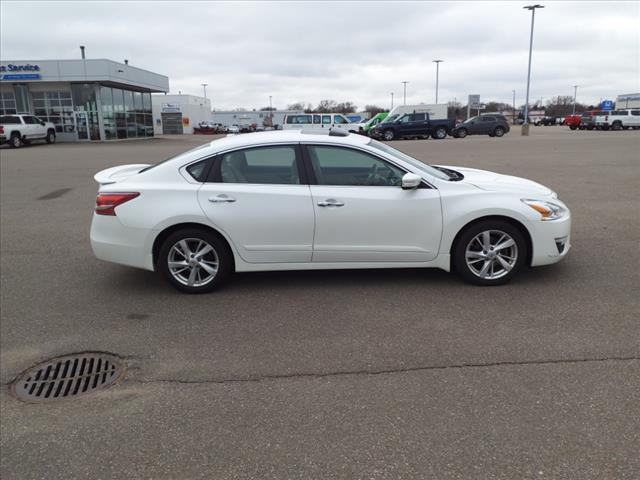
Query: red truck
573, 121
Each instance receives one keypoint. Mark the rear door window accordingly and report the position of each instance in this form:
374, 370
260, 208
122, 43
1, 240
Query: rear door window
9, 120
326, 119
277, 165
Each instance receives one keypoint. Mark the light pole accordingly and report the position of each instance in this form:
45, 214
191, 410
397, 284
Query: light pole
514, 108
437, 62
204, 87
525, 125
404, 102
575, 94
270, 112
391, 101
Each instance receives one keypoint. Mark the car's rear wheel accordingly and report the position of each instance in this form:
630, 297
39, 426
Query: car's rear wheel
498, 132
195, 261
388, 135
616, 126
439, 133
15, 141
489, 253
462, 132
572, 127
51, 137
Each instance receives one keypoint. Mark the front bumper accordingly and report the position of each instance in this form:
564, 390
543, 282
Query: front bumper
551, 241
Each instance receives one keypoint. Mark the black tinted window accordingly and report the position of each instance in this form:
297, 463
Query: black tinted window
266, 165
10, 120
419, 117
198, 170
29, 120
298, 119
346, 166
488, 119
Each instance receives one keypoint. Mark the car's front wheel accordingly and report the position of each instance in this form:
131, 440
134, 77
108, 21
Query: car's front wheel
439, 133
195, 261
461, 133
388, 135
51, 137
489, 252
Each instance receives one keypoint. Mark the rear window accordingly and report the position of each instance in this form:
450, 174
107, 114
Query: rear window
10, 120
198, 170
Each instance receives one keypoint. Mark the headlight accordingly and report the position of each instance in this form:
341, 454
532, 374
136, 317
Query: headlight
548, 210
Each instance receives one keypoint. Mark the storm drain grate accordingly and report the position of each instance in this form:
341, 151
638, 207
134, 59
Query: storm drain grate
68, 376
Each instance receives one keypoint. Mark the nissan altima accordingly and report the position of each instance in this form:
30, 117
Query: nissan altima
298, 200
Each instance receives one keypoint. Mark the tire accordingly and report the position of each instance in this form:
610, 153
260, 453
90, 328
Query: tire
172, 249
440, 133
616, 126
572, 127
51, 137
469, 260
498, 132
15, 141
388, 135
462, 132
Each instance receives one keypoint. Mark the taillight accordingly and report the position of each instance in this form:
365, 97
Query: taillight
106, 203
1, 129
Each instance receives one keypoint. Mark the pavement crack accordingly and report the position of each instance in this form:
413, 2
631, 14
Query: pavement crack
390, 371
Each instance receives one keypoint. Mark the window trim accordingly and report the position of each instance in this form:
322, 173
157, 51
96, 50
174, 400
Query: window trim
214, 175
314, 181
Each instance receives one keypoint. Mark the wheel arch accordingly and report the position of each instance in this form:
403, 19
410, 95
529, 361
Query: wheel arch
164, 234
516, 223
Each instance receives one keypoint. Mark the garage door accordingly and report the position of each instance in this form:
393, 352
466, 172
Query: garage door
172, 123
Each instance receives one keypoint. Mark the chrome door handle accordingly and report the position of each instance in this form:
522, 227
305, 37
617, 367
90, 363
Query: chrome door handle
330, 202
222, 198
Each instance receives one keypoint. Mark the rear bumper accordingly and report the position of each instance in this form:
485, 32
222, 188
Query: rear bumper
551, 241
113, 242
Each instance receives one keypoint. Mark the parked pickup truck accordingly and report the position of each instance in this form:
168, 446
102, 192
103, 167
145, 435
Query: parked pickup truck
413, 125
17, 130
573, 121
618, 119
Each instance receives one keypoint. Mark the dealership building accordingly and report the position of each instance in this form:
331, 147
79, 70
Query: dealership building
86, 99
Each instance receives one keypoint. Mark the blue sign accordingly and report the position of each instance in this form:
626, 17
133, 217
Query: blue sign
606, 105
20, 76
19, 68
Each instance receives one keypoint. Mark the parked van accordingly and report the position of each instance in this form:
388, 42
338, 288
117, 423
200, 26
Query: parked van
306, 121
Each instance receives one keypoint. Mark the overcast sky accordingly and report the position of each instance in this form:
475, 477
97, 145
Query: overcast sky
347, 51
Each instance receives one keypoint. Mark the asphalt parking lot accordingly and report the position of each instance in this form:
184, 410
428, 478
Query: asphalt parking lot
373, 374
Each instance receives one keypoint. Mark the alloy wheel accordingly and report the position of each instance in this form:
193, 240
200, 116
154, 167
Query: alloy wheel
491, 254
193, 262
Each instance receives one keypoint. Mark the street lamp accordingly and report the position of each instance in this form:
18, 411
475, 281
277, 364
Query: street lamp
525, 125
204, 86
391, 101
514, 108
405, 92
437, 62
575, 94
270, 112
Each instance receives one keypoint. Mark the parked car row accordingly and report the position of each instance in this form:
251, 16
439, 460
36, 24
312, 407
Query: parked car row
623, 119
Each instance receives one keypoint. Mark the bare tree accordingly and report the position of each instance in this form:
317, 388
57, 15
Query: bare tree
374, 109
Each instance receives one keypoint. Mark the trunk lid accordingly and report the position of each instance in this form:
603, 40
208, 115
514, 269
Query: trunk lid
117, 174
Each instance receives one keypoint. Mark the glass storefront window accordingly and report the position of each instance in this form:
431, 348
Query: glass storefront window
108, 118
146, 102
137, 102
7, 103
84, 97
55, 107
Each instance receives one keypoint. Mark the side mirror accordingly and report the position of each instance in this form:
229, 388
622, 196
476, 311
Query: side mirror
411, 181
42, 123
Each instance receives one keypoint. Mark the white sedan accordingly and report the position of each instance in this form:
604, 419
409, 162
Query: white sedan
296, 200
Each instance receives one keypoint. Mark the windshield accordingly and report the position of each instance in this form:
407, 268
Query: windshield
390, 118
469, 120
423, 167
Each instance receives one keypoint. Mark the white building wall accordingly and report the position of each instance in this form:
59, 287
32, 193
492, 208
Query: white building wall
194, 109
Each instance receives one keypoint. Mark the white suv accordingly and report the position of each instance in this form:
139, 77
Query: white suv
21, 129
619, 119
